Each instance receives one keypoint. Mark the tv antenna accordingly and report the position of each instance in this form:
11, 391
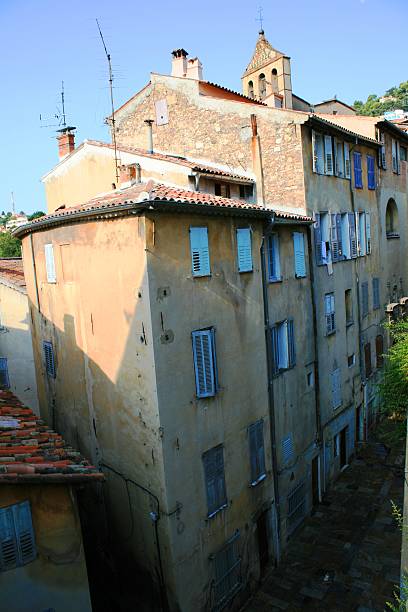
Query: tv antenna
59, 115
260, 19
108, 57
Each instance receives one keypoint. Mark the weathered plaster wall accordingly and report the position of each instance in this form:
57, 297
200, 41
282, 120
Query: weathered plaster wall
57, 579
16, 344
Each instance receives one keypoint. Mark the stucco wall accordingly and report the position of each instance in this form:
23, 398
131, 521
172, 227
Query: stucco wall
57, 579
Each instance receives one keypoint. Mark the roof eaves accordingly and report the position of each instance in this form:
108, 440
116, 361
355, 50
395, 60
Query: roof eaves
314, 120
385, 124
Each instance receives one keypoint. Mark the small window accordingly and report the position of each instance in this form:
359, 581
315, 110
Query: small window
382, 153
49, 360
257, 452
274, 81
50, 263
283, 346
358, 172
205, 364
348, 299
336, 388
227, 573
376, 293
391, 219
329, 312
4, 377
367, 359
299, 254
274, 272
379, 351
370, 172
213, 461
262, 86
222, 189
250, 89
246, 192
368, 232
244, 250
364, 299
200, 255
17, 542
339, 148
347, 165
403, 153
351, 360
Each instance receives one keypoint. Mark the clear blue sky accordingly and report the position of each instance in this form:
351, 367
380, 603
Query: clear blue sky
350, 48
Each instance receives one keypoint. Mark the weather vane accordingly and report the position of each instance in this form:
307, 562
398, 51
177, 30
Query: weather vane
260, 19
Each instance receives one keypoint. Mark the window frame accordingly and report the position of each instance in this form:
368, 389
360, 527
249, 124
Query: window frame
217, 478
283, 346
273, 258
330, 313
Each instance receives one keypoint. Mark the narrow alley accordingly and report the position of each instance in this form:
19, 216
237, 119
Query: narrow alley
346, 556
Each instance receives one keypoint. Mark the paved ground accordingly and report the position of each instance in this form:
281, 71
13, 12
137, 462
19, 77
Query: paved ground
346, 556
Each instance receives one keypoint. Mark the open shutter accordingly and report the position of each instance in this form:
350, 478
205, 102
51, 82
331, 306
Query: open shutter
260, 448
274, 349
8, 540
339, 237
291, 343
334, 238
328, 155
353, 238
317, 232
253, 452
314, 151
203, 353
368, 232
370, 172
273, 258
299, 251
257, 451
24, 532
367, 359
379, 350
200, 256
50, 263
358, 177
347, 167
244, 248
210, 472
220, 477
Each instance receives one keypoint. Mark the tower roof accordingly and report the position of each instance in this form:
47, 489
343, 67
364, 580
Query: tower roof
264, 54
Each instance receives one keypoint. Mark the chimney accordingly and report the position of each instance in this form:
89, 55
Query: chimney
129, 175
179, 63
66, 141
194, 69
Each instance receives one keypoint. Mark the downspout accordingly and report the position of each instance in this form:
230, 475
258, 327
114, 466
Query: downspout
271, 399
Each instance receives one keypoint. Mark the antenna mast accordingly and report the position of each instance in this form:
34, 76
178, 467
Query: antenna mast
64, 123
108, 57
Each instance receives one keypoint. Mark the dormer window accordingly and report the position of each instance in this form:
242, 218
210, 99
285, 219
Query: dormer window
222, 189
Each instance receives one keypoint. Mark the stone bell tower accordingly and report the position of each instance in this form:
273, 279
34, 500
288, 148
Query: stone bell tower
267, 77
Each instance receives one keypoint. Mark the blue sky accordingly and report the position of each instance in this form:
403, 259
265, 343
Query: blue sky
350, 49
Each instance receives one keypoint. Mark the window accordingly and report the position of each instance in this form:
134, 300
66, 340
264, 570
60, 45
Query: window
358, 172
50, 263
296, 506
283, 346
382, 155
370, 172
274, 273
274, 80
347, 165
213, 461
364, 299
340, 171
244, 250
345, 236
391, 219
17, 543
403, 153
322, 238
335, 237
227, 572
328, 155
376, 293
222, 189
246, 192
49, 360
395, 156
336, 445
336, 388
329, 313
250, 89
351, 360
257, 452
379, 351
262, 86
368, 232
349, 306
205, 364
200, 256
299, 254
318, 153
4, 377
361, 228
367, 359
353, 236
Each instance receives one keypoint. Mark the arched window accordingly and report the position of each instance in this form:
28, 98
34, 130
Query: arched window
262, 86
274, 81
391, 219
250, 89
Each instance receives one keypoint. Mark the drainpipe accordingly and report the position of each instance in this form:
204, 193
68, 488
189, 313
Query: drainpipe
257, 162
149, 123
271, 399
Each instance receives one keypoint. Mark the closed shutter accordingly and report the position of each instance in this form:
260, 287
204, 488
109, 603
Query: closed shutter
213, 461
379, 350
328, 155
287, 448
8, 540
4, 377
329, 312
336, 388
200, 256
257, 451
17, 543
283, 347
273, 258
376, 293
274, 349
353, 238
299, 251
339, 236
362, 241
383, 156
368, 232
370, 172
358, 175
364, 299
49, 360
25, 532
317, 232
334, 238
347, 165
244, 248
367, 359
50, 263
204, 362
291, 343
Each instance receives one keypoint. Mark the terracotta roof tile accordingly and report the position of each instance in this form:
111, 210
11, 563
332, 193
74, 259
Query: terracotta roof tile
32, 452
11, 271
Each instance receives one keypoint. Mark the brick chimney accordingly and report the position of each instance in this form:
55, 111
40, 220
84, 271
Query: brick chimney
66, 141
179, 63
194, 69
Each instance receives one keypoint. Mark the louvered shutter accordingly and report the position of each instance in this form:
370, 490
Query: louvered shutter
253, 452
4, 377
200, 255
287, 448
394, 155
376, 293
299, 251
329, 312
257, 451
214, 478
334, 239
383, 153
291, 343
274, 349
339, 237
283, 347
317, 232
347, 165
49, 359
244, 248
358, 177
273, 258
370, 172
24, 532
204, 362
50, 263
368, 232
364, 299
336, 388
328, 155
353, 238
8, 540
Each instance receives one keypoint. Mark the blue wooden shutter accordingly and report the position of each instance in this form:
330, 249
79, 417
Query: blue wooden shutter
200, 255
353, 237
274, 349
50, 263
213, 461
273, 258
364, 299
4, 377
347, 168
24, 532
336, 388
318, 239
291, 343
328, 155
8, 540
244, 248
370, 172
376, 293
204, 362
334, 238
299, 252
339, 236
368, 232
358, 176
287, 448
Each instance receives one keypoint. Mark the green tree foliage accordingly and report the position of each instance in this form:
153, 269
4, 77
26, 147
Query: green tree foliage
394, 385
396, 97
9, 245
36, 215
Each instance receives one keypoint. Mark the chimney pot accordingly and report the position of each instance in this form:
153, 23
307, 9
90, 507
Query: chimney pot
179, 63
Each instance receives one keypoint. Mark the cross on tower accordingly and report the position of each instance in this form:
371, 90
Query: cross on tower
260, 19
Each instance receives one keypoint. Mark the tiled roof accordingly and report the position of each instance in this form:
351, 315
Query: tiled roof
11, 271
31, 452
236, 93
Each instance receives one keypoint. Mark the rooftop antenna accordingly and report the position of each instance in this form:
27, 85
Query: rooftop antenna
13, 204
260, 19
108, 57
59, 115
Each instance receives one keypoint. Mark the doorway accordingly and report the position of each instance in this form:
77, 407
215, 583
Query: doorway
315, 481
262, 531
343, 447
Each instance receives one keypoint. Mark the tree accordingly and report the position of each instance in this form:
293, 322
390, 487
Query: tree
396, 97
36, 215
9, 245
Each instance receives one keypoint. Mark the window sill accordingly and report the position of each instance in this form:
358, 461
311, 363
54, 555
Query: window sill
201, 275
212, 514
276, 280
392, 235
245, 271
337, 407
330, 333
300, 276
349, 323
256, 482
